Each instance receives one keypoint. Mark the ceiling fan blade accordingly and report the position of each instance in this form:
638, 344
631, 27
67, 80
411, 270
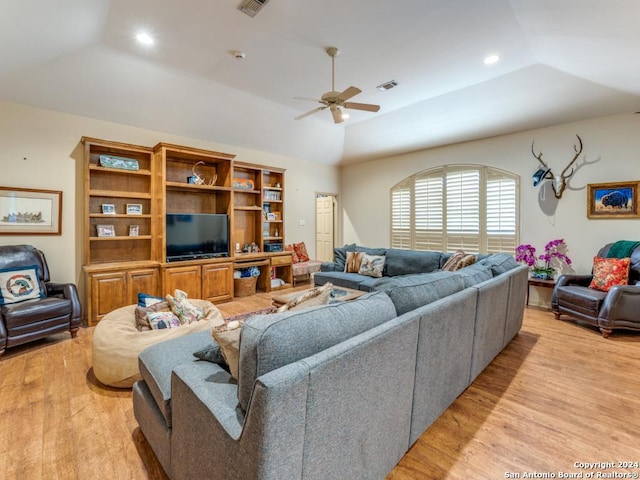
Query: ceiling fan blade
348, 93
310, 112
362, 106
337, 114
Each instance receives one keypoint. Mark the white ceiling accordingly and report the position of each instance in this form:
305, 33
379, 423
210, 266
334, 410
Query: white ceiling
561, 60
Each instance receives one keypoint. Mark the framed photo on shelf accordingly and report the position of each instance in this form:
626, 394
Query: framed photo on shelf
106, 230
134, 209
612, 200
108, 209
27, 211
133, 230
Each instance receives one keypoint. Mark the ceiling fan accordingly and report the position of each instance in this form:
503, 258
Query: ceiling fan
336, 101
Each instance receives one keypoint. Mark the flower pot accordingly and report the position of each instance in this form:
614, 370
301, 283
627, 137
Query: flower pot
542, 274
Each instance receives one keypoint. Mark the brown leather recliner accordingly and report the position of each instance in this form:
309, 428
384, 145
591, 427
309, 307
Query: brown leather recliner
29, 320
617, 308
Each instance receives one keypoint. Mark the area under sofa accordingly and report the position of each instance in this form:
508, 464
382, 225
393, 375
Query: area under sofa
345, 402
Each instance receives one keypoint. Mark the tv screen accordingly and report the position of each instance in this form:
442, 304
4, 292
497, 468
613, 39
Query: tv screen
197, 235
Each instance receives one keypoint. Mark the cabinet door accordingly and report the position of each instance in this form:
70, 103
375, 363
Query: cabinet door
217, 281
186, 279
143, 281
108, 292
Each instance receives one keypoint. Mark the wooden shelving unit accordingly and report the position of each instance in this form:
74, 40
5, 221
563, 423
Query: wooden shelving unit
117, 267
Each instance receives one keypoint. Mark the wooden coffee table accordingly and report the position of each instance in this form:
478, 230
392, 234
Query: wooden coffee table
341, 294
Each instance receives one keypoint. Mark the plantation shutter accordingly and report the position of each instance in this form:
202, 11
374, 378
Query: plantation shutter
401, 215
463, 210
456, 207
501, 213
429, 212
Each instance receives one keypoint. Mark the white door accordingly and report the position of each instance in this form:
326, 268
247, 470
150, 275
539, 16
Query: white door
325, 227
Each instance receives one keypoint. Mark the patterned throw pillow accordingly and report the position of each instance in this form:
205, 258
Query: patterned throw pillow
465, 262
228, 337
453, 260
294, 255
186, 311
142, 320
608, 272
301, 251
353, 262
372, 265
17, 285
162, 320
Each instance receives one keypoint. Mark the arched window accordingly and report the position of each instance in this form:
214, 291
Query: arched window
468, 207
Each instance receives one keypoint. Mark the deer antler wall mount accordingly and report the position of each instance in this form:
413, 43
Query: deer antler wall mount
559, 182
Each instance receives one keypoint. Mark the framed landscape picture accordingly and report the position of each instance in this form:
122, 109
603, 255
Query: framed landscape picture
612, 200
27, 211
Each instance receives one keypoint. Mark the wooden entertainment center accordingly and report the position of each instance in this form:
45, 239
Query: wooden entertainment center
129, 189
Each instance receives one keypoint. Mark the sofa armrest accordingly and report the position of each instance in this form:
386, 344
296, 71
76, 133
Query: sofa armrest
621, 304
70, 292
328, 267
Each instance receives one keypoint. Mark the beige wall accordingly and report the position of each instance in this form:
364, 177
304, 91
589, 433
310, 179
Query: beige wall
41, 149
611, 146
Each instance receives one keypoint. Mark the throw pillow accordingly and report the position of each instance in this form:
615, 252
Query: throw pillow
186, 311
19, 284
340, 254
608, 272
372, 265
465, 261
301, 251
141, 314
146, 300
294, 255
453, 260
353, 262
162, 320
311, 298
228, 337
212, 353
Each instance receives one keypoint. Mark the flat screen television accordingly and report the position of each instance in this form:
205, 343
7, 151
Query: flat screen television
197, 235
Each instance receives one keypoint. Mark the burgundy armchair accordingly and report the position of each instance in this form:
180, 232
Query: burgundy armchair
59, 309
617, 308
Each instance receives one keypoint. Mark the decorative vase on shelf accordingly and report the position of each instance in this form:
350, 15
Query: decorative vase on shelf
542, 273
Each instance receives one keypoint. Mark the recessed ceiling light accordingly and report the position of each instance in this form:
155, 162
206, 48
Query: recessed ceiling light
491, 59
144, 38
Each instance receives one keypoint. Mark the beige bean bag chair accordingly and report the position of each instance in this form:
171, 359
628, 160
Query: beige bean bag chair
117, 342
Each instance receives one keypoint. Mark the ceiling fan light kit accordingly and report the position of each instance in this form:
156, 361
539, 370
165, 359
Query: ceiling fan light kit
334, 100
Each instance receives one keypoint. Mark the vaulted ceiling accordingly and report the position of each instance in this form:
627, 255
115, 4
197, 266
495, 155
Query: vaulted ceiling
560, 60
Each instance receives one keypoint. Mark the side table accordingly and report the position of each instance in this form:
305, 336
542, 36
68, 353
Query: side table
536, 282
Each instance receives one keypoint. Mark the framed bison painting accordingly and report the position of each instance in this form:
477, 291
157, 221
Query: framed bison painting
612, 200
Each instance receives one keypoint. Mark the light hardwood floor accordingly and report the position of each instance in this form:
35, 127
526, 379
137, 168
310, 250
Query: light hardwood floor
558, 394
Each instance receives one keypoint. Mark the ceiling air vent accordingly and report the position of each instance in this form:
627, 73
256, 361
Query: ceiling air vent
387, 86
251, 7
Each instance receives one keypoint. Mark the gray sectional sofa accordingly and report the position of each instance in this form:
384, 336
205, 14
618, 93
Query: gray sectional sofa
330, 392
397, 262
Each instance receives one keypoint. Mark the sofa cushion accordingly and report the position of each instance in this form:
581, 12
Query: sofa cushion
340, 279
474, 274
404, 262
301, 251
371, 251
23, 317
409, 292
228, 337
272, 341
499, 262
340, 256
